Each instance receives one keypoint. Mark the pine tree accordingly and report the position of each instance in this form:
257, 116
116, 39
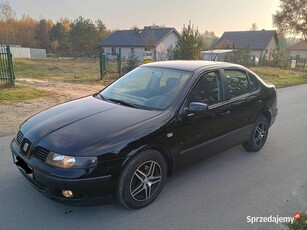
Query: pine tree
189, 44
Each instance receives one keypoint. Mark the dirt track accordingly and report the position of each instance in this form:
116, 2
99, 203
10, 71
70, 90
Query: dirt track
12, 115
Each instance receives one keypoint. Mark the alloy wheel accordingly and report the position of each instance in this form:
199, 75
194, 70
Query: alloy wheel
145, 181
260, 134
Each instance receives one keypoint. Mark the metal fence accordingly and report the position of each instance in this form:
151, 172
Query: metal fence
299, 64
110, 63
6, 66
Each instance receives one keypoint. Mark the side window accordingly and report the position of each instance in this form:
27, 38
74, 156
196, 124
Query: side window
237, 82
208, 89
253, 81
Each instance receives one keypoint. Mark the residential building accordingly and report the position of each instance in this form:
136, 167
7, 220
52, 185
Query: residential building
261, 43
299, 50
152, 41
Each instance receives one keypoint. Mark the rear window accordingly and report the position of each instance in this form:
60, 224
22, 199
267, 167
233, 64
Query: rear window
253, 81
237, 82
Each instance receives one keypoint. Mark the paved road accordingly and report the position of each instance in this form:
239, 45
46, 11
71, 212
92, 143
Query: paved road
218, 193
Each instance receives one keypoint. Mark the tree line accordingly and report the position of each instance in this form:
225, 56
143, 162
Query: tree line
81, 36
65, 37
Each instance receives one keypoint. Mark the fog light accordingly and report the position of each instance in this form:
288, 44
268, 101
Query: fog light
67, 193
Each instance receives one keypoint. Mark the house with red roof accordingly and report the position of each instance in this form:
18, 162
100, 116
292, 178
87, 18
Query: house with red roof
299, 50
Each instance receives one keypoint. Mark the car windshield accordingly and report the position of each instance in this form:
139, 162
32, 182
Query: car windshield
147, 88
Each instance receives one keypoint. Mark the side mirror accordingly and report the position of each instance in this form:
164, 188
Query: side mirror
196, 108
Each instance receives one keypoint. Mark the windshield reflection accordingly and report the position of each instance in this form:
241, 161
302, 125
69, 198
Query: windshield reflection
147, 88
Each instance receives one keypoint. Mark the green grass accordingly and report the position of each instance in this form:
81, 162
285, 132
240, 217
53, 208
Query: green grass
63, 69
20, 93
280, 77
300, 224
86, 70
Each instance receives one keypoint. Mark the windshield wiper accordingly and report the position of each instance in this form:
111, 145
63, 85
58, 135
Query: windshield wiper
98, 95
121, 102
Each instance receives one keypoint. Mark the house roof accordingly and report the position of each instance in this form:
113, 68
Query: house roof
299, 46
149, 36
255, 40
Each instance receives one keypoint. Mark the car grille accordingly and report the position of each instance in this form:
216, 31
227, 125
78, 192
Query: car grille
19, 138
41, 153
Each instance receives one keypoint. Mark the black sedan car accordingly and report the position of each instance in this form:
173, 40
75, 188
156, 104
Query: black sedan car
124, 141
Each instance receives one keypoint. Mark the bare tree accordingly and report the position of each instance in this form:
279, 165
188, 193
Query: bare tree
7, 15
292, 17
6, 12
209, 38
254, 27
150, 39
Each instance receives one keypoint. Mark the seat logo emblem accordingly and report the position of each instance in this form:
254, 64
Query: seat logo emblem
25, 147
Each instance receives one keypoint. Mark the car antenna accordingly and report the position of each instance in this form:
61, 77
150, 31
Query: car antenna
214, 59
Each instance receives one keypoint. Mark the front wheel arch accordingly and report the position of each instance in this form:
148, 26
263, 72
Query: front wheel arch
146, 180
163, 151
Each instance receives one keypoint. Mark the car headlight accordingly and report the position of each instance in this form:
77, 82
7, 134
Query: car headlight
63, 161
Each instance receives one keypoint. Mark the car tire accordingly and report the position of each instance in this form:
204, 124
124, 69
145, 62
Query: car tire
258, 136
142, 179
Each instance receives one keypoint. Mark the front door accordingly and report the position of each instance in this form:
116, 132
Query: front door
194, 133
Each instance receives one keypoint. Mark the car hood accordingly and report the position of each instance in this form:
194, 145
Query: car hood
73, 127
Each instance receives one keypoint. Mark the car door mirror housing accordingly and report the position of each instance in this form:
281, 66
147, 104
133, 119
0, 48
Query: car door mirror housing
197, 107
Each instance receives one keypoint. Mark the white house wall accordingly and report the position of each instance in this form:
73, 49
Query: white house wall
267, 52
138, 51
301, 53
271, 47
256, 53
168, 41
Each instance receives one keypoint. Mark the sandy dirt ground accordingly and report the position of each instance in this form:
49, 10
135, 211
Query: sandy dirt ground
13, 114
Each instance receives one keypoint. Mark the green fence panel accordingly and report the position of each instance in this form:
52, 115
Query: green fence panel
102, 63
6, 67
110, 63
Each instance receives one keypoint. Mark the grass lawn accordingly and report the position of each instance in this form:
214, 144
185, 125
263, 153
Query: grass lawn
62, 69
87, 70
20, 93
280, 77
300, 224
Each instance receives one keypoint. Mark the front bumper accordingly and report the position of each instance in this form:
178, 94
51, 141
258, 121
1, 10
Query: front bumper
87, 189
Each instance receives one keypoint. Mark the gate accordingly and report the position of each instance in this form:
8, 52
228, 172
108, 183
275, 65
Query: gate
6, 66
110, 63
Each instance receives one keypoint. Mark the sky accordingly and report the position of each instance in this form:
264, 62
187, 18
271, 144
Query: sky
214, 15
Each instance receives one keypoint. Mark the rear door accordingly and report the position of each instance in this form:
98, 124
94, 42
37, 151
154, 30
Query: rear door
245, 98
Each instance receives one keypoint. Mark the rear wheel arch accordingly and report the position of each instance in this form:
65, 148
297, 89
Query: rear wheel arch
258, 135
267, 115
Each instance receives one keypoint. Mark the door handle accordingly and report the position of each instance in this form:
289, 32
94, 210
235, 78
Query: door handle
258, 102
227, 113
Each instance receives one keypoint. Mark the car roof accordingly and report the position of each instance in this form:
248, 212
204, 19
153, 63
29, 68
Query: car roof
190, 65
